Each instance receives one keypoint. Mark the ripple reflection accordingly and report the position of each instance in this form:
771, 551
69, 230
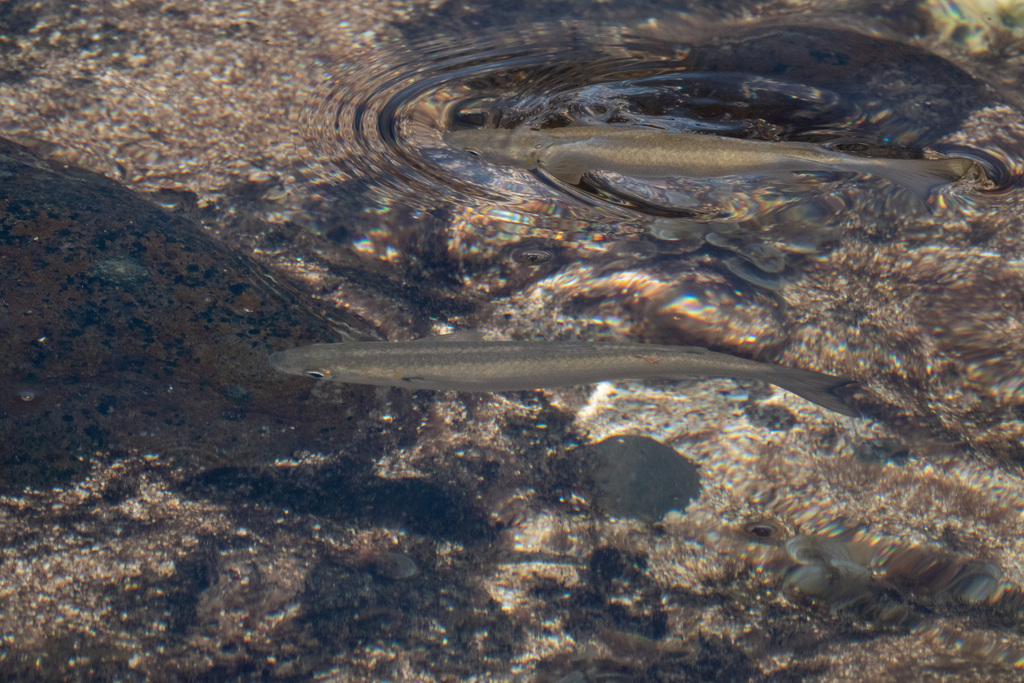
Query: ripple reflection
381, 122
376, 133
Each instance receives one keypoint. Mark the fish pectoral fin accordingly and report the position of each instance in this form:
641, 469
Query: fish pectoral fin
449, 384
563, 167
567, 178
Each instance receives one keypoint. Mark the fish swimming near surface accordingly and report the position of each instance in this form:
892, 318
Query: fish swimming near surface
568, 153
452, 362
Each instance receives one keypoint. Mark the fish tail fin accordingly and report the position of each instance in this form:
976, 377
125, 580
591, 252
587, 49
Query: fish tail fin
920, 177
816, 387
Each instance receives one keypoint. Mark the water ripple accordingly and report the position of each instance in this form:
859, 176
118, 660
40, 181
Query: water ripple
382, 121
376, 132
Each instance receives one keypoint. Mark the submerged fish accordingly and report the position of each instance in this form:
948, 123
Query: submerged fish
568, 153
460, 365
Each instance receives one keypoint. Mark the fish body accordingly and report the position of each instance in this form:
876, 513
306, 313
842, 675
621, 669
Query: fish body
568, 153
486, 366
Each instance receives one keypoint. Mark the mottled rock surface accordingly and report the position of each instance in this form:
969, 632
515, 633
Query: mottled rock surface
124, 327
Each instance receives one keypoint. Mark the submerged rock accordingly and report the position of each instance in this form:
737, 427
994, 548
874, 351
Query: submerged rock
881, 450
636, 476
387, 564
124, 327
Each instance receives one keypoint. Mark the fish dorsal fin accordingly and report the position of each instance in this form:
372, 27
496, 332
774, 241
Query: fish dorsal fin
464, 336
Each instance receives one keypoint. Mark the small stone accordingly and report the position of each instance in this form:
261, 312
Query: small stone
882, 450
392, 565
636, 476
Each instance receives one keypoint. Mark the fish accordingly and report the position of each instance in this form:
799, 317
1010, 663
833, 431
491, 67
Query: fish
646, 153
457, 363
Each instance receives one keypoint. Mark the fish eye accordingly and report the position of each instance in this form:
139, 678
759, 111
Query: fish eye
473, 152
763, 530
532, 255
315, 374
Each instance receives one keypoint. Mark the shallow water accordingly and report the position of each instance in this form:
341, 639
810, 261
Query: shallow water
438, 535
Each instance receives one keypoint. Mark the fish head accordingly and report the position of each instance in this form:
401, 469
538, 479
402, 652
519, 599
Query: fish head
309, 361
514, 147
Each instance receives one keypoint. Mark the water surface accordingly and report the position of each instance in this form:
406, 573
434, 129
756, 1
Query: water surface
439, 535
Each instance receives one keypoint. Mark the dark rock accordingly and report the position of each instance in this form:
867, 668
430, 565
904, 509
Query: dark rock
636, 476
123, 326
774, 417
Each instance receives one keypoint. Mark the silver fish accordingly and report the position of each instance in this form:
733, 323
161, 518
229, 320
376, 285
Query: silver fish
646, 153
460, 365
